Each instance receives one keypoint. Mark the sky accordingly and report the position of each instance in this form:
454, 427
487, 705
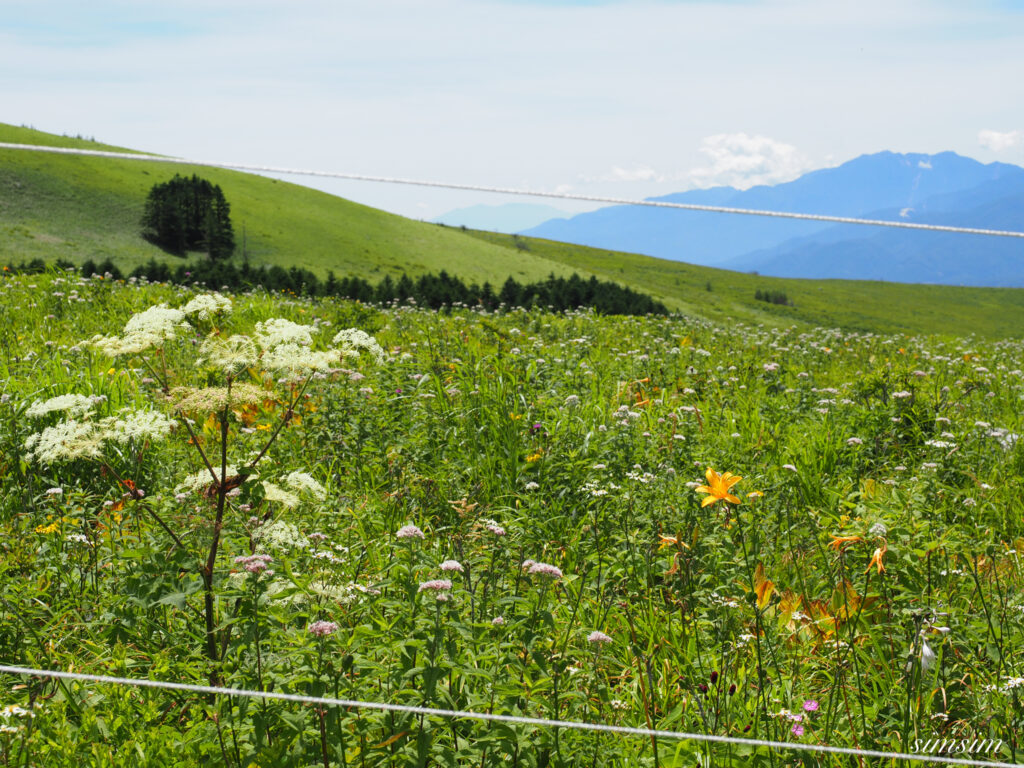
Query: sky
622, 98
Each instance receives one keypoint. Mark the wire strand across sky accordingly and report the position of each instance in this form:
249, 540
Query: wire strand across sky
513, 191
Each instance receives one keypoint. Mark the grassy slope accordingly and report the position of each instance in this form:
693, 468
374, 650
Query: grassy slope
81, 207
77, 207
853, 304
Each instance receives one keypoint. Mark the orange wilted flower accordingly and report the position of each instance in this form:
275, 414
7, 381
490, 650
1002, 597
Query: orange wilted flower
718, 487
671, 541
839, 543
876, 559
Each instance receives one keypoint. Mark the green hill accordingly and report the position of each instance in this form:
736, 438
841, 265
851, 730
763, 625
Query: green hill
76, 208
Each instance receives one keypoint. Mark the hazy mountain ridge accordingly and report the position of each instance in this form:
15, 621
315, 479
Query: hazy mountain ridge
945, 188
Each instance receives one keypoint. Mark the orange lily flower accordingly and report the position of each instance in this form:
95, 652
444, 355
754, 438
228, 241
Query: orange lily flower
876, 559
718, 488
839, 542
671, 541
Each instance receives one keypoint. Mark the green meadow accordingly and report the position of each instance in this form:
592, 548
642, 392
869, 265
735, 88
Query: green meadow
77, 208
723, 527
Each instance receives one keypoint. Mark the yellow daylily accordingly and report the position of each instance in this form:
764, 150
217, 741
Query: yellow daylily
718, 488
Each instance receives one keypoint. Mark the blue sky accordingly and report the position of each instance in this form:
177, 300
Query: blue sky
628, 98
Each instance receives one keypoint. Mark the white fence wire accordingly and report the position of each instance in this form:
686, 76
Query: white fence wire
621, 730
514, 191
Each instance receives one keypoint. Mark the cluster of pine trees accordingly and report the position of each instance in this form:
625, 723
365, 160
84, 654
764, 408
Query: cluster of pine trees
433, 291
772, 297
189, 214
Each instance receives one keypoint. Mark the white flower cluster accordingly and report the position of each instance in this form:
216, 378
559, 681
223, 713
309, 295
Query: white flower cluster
72, 404
277, 331
85, 439
148, 329
232, 355
206, 305
279, 536
353, 340
202, 479
274, 492
304, 483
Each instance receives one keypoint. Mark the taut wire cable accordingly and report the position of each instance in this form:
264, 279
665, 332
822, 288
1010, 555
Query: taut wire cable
513, 719
513, 191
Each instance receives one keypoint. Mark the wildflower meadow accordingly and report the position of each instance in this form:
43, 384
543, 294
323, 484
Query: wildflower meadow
804, 535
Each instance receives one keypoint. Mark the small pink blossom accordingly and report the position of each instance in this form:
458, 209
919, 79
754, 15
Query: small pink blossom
409, 532
436, 585
544, 569
598, 638
798, 730
255, 563
452, 565
498, 621
810, 705
322, 628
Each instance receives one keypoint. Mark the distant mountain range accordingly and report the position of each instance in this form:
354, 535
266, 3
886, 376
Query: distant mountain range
509, 218
945, 188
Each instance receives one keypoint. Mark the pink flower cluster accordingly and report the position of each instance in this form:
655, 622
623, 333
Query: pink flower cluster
322, 628
452, 565
255, 563
435, 585
598, 637
543, 569
409, 532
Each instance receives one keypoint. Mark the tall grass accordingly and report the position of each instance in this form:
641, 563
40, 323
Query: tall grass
864, 591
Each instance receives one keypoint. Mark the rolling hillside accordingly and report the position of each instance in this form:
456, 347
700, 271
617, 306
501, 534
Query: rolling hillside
55, 206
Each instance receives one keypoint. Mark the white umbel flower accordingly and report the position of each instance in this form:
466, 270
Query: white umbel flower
207, 305
297, 361
273, 492
160, 321
66, 441
352, 341
203, 479
130, 425
303, 483
232, 355
279, 536
73, 439
74, 405
277, 331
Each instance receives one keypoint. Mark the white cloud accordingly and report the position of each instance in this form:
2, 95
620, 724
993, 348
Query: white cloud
998, 141
926, 164
743, 161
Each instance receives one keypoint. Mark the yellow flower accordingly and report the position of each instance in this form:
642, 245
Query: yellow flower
51, 528
535, 456
718, 487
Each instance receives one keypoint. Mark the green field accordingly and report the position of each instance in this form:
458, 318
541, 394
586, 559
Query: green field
78, 208
501, 513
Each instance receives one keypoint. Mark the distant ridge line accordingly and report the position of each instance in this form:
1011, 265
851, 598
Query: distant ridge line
513, 191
